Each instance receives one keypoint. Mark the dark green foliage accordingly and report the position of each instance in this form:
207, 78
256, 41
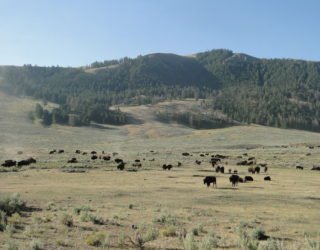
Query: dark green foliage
276, 92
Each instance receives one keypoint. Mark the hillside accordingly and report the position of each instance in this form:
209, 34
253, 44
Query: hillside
274, 92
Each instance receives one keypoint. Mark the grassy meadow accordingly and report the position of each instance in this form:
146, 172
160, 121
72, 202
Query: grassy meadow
92, 205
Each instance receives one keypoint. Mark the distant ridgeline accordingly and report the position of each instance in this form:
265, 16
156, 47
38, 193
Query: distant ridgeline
275, 92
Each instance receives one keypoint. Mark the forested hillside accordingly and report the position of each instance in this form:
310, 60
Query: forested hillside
275, 92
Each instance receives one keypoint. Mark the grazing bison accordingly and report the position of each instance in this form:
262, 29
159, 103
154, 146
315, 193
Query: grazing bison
257, 169
299, 167
52, 152
248, 178
185, 154
241, 180
106, 158
234, 179
198, 162
267, 178
201, 155
220, 156
251, 170
9, 163
251, 158
265, 169
121, 166
94, 157
78, 151
84, 153
210, 179
137, 160
230, 170
26, 162
317, 168
73, 160
60, 151
222, 169
242, 163
235, 171
179, 164
166, 167
93, 152
117, 160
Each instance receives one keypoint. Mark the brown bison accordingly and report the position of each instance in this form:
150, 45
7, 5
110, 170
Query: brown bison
210, 179
94, 157
121, 166
73, 160
248, 178
234, 179
267, 178
9, 163
299, 167
257, 169
198, 162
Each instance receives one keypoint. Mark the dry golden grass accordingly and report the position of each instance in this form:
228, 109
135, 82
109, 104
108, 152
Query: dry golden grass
287, 208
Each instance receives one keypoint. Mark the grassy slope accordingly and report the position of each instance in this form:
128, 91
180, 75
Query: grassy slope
286, 208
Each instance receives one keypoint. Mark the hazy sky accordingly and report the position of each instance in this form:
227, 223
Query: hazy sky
79, 32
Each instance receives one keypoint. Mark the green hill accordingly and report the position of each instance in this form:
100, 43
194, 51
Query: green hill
275, 92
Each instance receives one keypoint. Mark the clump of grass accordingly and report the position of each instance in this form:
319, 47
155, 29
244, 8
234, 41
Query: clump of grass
79, 209
51, 206
3, 220
166, 218
96, 239
10, 245
12, 204
189, 242
169, 231
67, 220
122, 240
197, 230
258, 234
208, 242
86, 217
272, 244
245, 241
36, 245
144, 235
311, 244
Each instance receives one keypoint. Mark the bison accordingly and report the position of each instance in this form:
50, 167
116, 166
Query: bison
248, 178
198, 162
73, 160
78, 151
185, 154
234, 179
210, 179
118, 160
267, 178
94, 157
257, 169
299, 167
9, 163
121, 166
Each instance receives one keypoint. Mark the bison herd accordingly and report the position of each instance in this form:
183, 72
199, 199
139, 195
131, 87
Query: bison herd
12, 163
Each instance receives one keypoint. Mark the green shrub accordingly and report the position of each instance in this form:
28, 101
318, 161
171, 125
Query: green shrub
169, 231
208, 242
36, 245
67, 220
166, 218
10, 245
83, 208
311, 244
96, 239
189, 242
12, 204
3, 220
258, 234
